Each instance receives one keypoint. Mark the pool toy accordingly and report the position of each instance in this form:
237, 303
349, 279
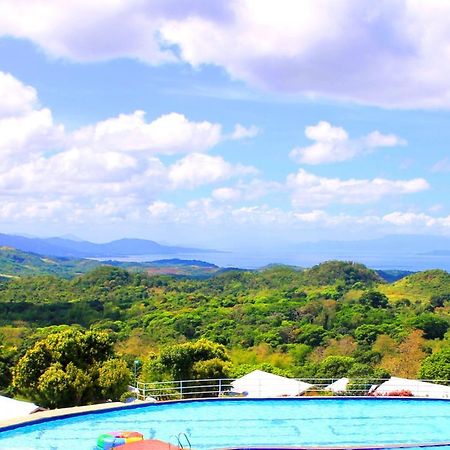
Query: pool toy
149, 444
113, 439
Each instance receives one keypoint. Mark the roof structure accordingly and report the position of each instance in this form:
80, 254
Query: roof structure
11, 409
416, 387
338, 386
259, 384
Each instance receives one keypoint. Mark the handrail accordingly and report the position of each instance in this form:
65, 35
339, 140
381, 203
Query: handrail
187, 440
218, 387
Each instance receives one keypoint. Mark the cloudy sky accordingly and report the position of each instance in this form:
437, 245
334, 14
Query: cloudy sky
225, 123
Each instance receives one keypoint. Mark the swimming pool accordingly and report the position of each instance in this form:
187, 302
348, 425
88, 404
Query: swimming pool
244, 422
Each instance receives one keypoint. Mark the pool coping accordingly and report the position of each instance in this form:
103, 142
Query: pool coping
64, 413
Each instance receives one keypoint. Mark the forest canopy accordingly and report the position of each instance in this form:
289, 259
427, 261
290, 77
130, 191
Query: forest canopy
335, 319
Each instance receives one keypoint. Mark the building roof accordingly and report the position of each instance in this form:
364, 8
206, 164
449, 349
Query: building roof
338, 386
262, 384
416, 387
11, 409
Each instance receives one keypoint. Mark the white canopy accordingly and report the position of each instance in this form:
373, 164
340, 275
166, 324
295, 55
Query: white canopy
338, 386
261, 384
417, 388
11, 409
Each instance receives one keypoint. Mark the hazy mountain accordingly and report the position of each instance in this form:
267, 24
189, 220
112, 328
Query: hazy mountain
83, 249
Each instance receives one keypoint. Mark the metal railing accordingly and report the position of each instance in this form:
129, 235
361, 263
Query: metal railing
223, 387
174, 390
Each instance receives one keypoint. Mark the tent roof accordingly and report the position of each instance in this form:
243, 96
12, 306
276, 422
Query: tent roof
263, 384
10, 408
416, 387
338, 386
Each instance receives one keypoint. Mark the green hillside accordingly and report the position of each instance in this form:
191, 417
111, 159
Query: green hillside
335, 319
15, 263
420, 286
348, 273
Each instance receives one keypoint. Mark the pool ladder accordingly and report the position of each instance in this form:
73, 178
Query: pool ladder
178, 438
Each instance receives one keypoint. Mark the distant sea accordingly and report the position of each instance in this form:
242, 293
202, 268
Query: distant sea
255, 260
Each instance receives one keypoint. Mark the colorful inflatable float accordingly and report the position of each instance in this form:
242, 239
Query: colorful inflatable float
149, 444
113, 439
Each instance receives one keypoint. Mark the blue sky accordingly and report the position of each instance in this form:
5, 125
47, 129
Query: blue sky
225, 124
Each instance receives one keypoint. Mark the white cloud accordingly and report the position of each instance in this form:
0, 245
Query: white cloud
197, 169
169, 134
376, 139
13, 210
87, 31
389, 54
99, 165
159, 209
29, 134
314, 216
254, 218
241, 132
394, 54
418, 221
408, 218
312, 190
227, 194
442, 166
333, 144
25, 130
243, 190
16, 97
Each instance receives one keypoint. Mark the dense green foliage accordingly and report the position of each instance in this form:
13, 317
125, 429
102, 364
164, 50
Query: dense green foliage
436, 366
189, 361
71, 367
331, 320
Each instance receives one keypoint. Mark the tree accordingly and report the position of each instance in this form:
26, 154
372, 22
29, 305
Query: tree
69, 368
7, 357
211, 368
312, 335
439, 300
403, 360
374, 299
182, 361
436, 366
335, 367
113, 378
434, 327
367, 333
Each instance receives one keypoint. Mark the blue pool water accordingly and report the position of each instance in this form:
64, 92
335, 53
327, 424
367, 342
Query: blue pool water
243, 422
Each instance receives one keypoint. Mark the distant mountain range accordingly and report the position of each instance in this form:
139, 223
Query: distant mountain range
63, 247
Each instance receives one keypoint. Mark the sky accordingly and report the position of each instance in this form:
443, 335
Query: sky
225, 124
